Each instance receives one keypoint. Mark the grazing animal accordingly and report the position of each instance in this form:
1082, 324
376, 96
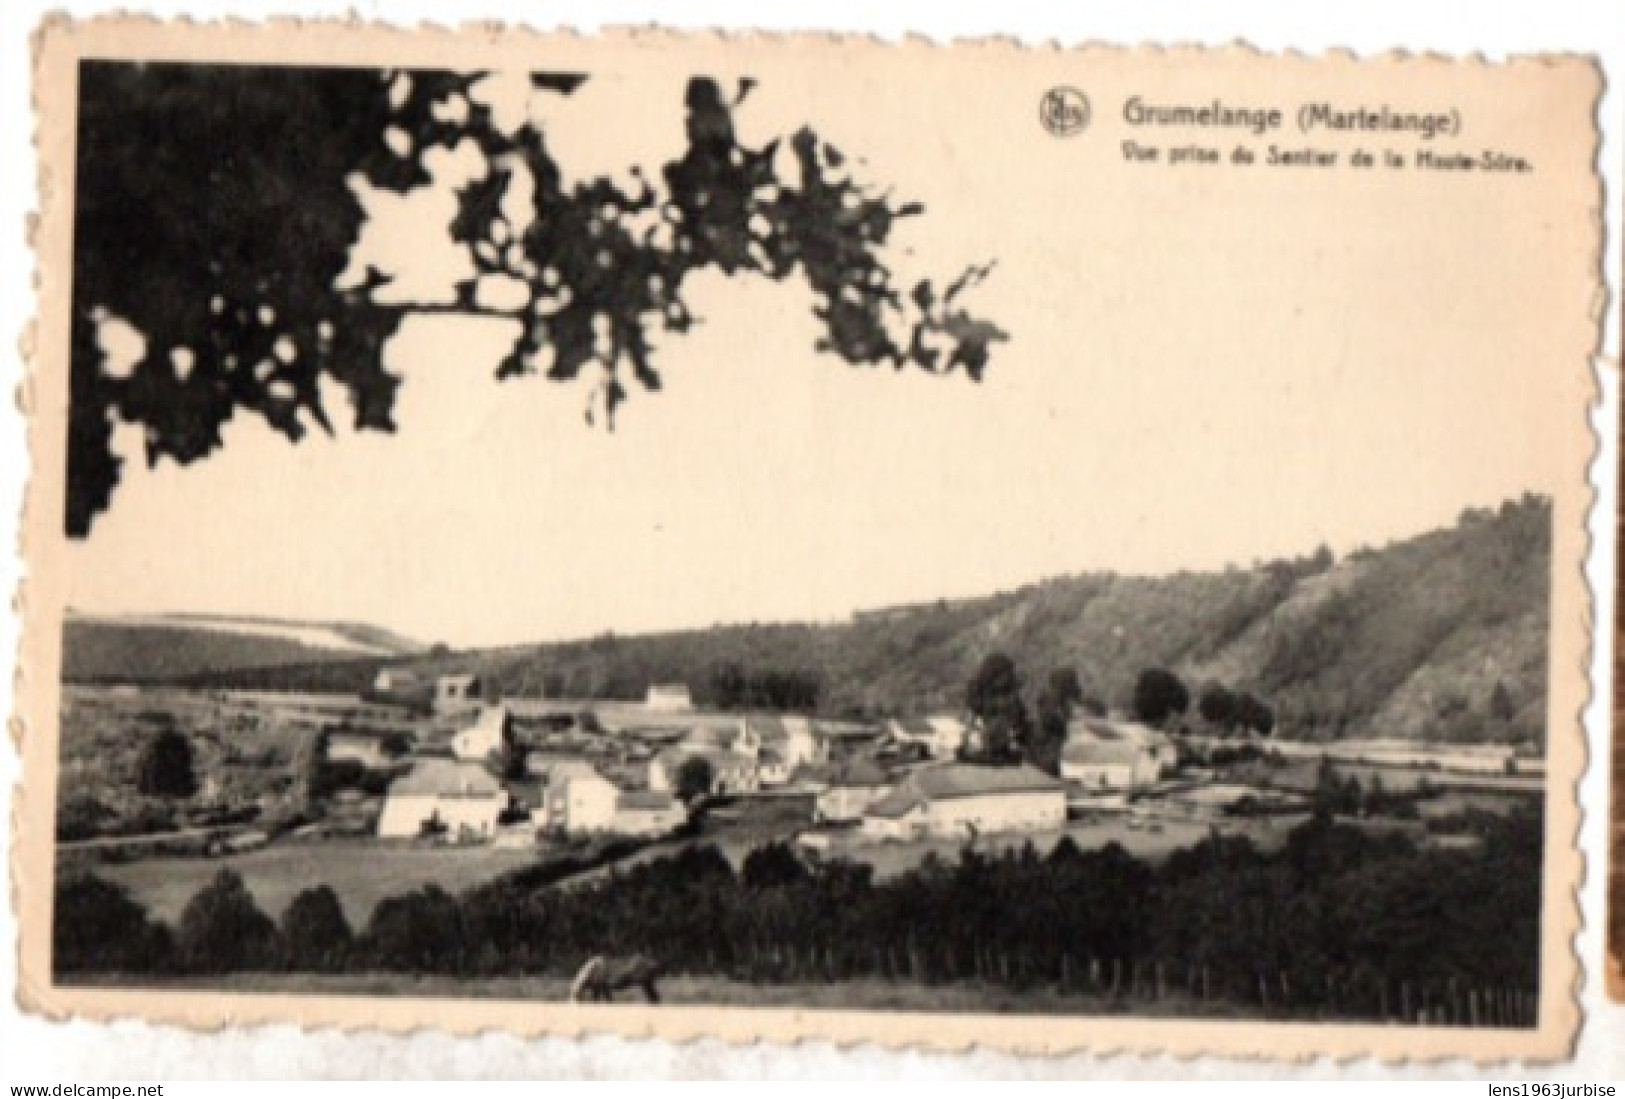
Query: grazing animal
600, 978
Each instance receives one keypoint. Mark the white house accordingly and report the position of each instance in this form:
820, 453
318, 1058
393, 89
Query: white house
647, 813
485, 737
941, 736
460, 797
668, 698
796, 741
962, 799
455, 694
1101, 754
577, 799
851, 790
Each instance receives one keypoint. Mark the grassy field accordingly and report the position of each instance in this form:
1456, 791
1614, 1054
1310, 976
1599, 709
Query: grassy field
361, 873
859, 995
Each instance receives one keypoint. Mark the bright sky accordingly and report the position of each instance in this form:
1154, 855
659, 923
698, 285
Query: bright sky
1206, 367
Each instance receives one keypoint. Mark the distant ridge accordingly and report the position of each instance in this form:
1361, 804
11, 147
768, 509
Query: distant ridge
1440, 636
144, 648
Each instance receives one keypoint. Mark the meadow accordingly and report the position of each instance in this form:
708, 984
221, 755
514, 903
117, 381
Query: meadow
362, 873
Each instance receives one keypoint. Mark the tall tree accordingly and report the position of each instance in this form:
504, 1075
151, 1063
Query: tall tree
225, 203
165, 768
1217, 706
1061, 696
695, 778
95, 925
1159, 695
994, 698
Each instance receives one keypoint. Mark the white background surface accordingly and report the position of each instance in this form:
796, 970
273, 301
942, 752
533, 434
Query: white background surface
37, 1052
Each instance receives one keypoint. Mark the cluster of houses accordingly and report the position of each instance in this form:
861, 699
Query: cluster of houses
897, 780
469, 793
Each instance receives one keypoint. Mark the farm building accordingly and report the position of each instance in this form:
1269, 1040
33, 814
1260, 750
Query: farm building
728, 734
485, 737
851, 790
647, 813
460, 796
576, 798
455, 694
1101, 754
941, 736
962, 799
668, 698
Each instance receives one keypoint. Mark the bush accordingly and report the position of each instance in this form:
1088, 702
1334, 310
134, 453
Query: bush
222, 929
419, 932
96, 927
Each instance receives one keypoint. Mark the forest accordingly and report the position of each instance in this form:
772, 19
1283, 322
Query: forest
1338, 923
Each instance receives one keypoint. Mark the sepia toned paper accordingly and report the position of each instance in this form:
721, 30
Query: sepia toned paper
955, 325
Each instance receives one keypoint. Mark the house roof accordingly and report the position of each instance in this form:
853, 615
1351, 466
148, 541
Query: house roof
462, 679
770, 727
721, 758
645, 799
718, 735
899, 803
528, 791
1106, 729
1101, 753
562, 768
964, 780
859, 771
913, 728
447, 778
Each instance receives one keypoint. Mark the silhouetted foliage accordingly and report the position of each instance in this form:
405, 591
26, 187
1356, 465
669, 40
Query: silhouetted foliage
96, 927
229, 189
772, 866
422, 931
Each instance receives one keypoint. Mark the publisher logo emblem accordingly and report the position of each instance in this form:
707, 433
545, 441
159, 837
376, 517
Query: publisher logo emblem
1064, 111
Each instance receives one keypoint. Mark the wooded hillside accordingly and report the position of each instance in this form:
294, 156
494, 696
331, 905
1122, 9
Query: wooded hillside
1443, 635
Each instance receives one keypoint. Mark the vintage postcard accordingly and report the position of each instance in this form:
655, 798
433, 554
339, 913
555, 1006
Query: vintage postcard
775, 537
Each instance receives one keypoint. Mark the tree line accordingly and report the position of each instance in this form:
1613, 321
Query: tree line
1336, 922
733, 686
1008, 733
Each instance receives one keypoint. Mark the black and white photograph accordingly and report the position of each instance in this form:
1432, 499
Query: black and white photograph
793, 537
